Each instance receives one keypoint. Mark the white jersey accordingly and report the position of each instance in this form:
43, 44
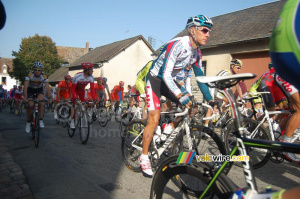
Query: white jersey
81, 81
175, 56
36, 82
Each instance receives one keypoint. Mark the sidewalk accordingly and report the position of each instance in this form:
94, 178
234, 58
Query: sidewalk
12, 180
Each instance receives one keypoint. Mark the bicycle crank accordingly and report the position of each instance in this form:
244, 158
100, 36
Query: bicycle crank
276, 157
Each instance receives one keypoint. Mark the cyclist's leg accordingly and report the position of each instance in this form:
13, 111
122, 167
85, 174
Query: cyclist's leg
294, 121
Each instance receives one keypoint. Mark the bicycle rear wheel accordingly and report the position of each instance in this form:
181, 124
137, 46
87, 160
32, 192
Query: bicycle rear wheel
84, 129
130, 153
259, 157
162, 186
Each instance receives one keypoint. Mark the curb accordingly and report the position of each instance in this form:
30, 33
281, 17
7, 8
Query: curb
12, 179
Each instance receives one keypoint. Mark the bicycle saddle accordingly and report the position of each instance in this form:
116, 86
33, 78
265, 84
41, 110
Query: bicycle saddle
222, 82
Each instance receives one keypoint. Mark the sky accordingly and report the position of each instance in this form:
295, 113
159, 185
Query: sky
72, 23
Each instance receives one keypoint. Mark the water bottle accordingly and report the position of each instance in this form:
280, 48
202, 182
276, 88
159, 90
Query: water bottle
167, 130
157, 134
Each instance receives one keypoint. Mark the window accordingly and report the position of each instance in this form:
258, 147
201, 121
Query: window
4, 69
3, 80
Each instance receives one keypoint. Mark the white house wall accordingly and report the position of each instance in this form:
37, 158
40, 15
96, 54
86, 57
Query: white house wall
125, 65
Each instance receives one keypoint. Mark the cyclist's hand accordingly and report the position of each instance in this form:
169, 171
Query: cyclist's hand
185, 101
25, 99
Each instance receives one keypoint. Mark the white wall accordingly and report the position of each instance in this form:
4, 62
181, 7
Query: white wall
10, 82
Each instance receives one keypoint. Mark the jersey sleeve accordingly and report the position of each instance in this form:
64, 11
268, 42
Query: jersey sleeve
203, 87
173, 49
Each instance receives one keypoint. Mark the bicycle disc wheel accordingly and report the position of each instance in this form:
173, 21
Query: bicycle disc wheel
163, 187
259, 157
130, 153
84, 129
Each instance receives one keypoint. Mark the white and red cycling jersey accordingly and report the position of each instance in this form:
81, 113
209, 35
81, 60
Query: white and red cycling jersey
18, 94
287, 88
78, 86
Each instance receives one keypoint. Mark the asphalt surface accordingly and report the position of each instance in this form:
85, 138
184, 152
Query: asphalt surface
61, 167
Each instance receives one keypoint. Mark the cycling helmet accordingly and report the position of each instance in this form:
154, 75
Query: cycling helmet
270, 65
86, 66
99, 78
199, 20
121, 83
38, 65
236, 62
104, 79
67, 77
15, 86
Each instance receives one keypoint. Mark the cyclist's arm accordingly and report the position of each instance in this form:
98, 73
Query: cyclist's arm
73, 90
92, 86
203, 87
26, 83
188, 85
48, 90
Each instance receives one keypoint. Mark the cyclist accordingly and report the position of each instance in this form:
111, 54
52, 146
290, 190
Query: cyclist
63, 91
285, 55
240, 89
140, 85
80, 81
2, 95
33, 86
11, 94
133, 99
106, 87
18, 96
276, 97
100, 90
177, 54
114, 95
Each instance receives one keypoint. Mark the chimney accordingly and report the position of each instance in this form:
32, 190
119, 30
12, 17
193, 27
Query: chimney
87, 46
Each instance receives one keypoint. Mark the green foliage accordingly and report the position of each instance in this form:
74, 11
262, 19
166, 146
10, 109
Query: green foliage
32, 49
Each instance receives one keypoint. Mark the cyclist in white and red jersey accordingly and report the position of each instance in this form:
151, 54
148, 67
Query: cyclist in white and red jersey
80, 81
175, 55
18, 96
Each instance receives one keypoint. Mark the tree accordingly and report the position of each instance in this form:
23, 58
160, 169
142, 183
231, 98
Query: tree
32, 49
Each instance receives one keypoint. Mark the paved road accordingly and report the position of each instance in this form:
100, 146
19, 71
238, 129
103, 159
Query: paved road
64, 168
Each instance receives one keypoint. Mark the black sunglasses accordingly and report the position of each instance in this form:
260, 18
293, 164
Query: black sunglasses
38, 70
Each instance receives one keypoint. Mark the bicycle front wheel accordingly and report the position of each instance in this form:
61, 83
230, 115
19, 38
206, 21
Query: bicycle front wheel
163, 187
84, 128
258, 156
102, 116
130, 153
70, 131
206, 140
36, 130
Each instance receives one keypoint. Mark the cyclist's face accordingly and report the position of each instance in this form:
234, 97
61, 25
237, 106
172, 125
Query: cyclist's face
236, 69
37, 72
201, 33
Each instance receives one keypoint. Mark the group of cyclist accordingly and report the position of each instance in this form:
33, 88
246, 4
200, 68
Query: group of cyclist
169, 75
12, 97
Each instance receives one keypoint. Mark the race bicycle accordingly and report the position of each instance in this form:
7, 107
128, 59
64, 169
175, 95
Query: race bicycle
212, 181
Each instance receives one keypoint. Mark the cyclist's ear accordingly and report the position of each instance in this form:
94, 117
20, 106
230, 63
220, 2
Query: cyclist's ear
2, 15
